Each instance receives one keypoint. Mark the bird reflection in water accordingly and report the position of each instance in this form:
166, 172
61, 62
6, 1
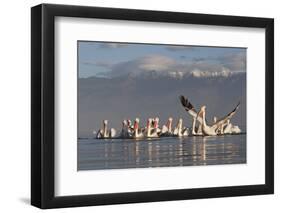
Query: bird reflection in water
161, 152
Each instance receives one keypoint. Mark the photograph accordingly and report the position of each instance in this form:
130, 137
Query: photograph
139, 105
148, 105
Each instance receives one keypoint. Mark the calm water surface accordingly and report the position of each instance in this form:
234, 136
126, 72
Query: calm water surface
161, 152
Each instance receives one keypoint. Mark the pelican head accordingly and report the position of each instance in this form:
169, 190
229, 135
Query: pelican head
170, 119
148, 123
105, 122
136, 124
156, 122
201, 111
203, 108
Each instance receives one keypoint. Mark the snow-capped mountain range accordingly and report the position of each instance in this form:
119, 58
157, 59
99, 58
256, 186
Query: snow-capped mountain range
181, 75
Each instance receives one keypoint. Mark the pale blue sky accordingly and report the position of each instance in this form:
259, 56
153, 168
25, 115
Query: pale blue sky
110, 59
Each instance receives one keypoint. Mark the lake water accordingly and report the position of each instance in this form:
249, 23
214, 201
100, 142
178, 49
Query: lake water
96, 154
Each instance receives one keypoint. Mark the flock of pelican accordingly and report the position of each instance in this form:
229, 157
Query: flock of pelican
152, 130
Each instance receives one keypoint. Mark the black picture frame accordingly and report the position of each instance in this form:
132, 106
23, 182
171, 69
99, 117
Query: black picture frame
43, 102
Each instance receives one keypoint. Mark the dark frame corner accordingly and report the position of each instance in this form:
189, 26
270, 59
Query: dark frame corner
42, 105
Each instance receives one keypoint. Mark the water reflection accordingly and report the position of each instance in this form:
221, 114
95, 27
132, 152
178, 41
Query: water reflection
161, 152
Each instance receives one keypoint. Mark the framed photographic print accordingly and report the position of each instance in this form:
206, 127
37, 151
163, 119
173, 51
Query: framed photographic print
139, 106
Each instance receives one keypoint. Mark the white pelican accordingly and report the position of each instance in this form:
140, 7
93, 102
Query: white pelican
236, 130
213, 129
137, 133
198, 130
201, 117
155, 123
104, 133
231, 129
129, 124
167, 129
207, 130
151, 132
179, 130
126, 131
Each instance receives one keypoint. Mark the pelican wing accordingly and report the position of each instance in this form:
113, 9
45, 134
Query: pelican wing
225, 118
190, 108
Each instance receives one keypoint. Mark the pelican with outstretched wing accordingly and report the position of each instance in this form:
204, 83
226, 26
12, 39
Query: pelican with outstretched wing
201, 117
